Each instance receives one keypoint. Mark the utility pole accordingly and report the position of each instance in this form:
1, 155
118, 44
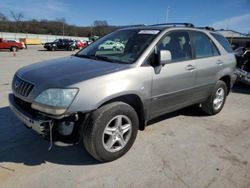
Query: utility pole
63, 29
63, 20
167, 14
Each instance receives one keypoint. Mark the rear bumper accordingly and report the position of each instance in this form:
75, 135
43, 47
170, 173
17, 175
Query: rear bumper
39, 125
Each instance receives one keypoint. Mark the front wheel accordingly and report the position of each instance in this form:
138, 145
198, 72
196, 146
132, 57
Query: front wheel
13, 49
71, 48
216, 101
111, 132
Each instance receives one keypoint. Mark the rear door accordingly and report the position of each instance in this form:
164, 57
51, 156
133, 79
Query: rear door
172, 86
208, 64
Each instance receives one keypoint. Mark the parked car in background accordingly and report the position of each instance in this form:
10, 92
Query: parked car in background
81, 44
103, 98
10, 44
111, 45
61, 44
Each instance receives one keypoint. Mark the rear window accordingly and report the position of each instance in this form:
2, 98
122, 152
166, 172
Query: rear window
224, 42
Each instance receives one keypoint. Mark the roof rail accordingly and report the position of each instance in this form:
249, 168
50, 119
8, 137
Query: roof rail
207, 28
175, 24
137, 25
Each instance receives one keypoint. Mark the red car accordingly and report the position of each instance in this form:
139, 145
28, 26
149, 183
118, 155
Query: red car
11, 45
81, 44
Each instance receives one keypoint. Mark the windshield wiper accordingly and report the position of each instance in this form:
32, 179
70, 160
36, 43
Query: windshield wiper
80, 55
99, 57
104, 58
96, 57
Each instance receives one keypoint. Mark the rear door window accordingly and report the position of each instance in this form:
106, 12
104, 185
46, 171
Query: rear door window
203, 45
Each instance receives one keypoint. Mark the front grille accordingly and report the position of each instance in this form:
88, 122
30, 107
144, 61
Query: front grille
26, 106
21, 87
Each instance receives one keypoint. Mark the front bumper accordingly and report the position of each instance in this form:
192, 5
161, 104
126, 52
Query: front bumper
39, 125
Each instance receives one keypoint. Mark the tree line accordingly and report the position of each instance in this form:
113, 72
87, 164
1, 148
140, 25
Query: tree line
53, 27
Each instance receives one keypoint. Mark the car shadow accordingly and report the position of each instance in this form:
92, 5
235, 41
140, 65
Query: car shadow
44, 51
21, 145
241, 88
7, 50
193, 110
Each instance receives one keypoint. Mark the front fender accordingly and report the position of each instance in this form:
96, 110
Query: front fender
94, 92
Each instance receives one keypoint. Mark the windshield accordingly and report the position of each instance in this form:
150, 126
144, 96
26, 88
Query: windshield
123, 46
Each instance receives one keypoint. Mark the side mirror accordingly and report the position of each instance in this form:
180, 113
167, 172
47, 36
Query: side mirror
164, 57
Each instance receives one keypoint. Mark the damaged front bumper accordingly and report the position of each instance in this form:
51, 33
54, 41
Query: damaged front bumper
46, 125
40, 125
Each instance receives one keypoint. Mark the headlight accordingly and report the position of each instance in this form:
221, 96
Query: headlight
60, 98
54, 101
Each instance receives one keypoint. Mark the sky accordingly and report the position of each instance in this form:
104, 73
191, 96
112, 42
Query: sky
220, 14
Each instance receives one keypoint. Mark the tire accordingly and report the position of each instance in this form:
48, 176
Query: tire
212, 107
71, 48
52, 48
114, 48
14, 48
101, 138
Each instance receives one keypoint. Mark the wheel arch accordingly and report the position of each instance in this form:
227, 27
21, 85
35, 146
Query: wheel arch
227, 80
13, 46
134, 101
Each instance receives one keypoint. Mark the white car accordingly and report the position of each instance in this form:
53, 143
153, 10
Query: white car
111, 45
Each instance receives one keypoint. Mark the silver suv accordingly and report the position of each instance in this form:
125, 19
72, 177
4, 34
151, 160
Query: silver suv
103, 97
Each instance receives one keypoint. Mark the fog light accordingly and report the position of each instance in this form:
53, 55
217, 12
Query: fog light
65, 128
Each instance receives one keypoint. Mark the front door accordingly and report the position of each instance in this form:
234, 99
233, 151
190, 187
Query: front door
173, 85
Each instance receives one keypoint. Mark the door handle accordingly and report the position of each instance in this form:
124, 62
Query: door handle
190, 67
219, 62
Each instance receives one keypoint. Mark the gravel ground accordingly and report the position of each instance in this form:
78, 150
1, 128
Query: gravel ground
182, 149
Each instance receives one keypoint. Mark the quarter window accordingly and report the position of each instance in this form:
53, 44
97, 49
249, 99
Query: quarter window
203, 45
224, 42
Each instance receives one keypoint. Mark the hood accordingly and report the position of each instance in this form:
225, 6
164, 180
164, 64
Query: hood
67, 71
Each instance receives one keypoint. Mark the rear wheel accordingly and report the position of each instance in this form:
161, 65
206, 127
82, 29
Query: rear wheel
216, 101
111, 132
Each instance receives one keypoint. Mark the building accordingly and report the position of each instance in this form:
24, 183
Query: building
235, 38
